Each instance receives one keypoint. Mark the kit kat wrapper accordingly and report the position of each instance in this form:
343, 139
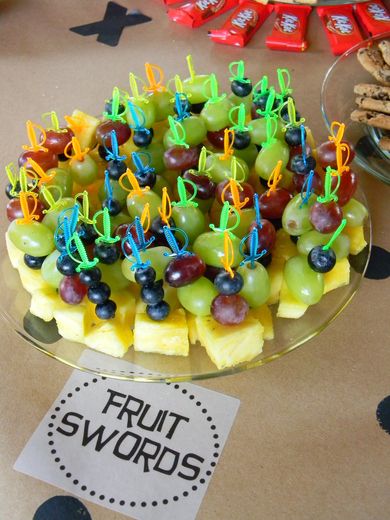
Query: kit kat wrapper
340, 27
289, 31
374, 17
242, 24
198, 12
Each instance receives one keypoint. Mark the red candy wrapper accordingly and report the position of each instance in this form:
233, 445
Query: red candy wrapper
374, 17
340, 26
242, 24
289, 29
198, 12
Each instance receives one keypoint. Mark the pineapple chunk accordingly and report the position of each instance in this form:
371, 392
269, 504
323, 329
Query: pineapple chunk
284, 247
289, 306
275, 273
84, 128
338, 276
71, 321
228, 346
31, 279
356, 236
192, 328
264, 315
125, 307
15, 254
166, 337
44, 302
109, 336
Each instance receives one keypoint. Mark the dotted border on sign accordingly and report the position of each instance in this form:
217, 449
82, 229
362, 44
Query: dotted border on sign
132, 503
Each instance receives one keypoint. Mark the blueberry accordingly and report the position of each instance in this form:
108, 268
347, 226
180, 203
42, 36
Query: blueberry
102, 152
98, 292
114, 206
298, 164
143, 137
90, 276
106, 310
146, 179
116, 169
157, 228
227, 285
185, 106
321, 260
66, 265
196, 108
8, 190
87, 233
241, 88
241, 140
152, 293
33, 262
108, 107
145, 275
159, 311
293, 136
107, 253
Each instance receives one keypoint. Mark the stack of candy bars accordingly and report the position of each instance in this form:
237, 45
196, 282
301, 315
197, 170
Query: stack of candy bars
345, 25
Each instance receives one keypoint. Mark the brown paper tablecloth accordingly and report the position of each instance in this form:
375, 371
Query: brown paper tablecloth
306, 444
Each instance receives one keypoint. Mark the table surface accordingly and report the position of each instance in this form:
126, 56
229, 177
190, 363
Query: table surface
306, 443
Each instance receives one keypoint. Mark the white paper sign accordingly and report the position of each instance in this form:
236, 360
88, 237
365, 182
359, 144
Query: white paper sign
145, 450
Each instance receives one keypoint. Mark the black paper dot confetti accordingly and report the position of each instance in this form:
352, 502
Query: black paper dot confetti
62, 508
383, 414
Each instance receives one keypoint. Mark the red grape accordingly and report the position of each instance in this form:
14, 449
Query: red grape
266, 235
326, 217
348, 185
14, 209
273, 202
317, 184
206, 187
183, 270
121, 231
56, 141
229, 310
71, 290
217, 138
181, 158
327, 154
103, 132
246, 192
46, 160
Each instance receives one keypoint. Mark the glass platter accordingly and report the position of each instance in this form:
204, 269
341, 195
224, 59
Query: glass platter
338, 101
289, 333
313, 3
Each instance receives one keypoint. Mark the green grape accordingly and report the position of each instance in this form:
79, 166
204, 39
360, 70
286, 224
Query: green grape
197, 296
220, 169
163, 105
296, 216
313, 238
156, 153
158, 261
355, 213
171, 177
269, 156
51, 218
122, 218
162, 182
304, 284
136, 204
84, 172
170, 296
247, 100
258, 131
216, 115
49, 270
33, 238
195, 130
210, 247
118, 193
113, 276
248, 154
190, 219
147, 108
247, 216
204, 205
63, 180
257, 286
195, 88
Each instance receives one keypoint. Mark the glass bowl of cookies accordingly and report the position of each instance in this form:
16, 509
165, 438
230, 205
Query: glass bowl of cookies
356, 92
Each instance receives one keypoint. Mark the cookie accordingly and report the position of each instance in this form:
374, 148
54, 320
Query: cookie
384, 47
372, 90
384, 144
371, 118
372, 61
371, 104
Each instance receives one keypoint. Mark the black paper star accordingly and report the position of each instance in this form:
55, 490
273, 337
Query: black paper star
109, 29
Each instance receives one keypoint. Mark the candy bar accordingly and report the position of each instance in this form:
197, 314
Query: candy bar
289, 29
374, 17
340, 26
196, 13
242, 24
